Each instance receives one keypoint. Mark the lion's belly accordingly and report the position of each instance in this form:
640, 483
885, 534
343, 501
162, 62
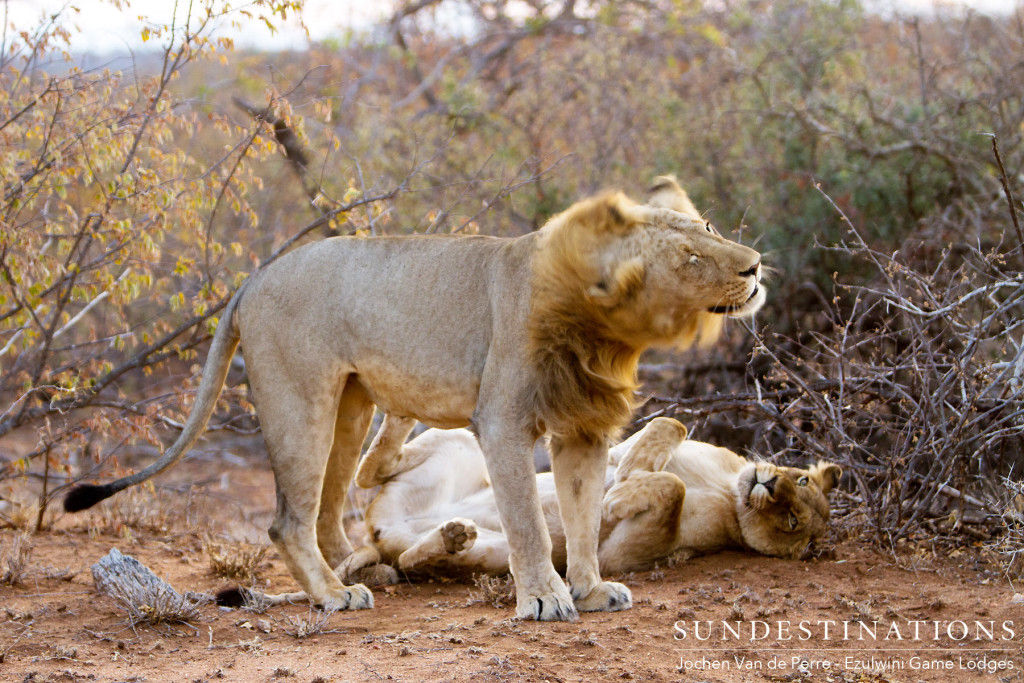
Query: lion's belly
441, 402
706, 523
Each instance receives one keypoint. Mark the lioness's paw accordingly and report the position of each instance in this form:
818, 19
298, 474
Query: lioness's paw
548, 607
375, 575
364, 556
606, 596
349, 566
459, 534
625, 500
350, 597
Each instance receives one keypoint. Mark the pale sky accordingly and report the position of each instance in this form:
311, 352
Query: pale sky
105, 29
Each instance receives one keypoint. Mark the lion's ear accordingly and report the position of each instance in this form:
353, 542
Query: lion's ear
611, 212
624, 280
620, 213
827, 475
665, 193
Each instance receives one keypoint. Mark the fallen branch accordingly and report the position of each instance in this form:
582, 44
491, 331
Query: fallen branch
144, 596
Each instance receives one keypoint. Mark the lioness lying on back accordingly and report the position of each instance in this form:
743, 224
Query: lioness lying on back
665, 496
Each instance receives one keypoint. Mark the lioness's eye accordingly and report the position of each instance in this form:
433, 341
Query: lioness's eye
802, 481
693, 259
793, 521
707, 226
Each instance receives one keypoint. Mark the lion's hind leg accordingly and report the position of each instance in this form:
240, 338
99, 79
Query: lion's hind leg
355, 411
383, 458
654, 448
643, 512
300, 423
644, 506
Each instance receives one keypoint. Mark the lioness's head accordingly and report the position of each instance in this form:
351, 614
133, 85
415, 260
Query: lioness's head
782, 509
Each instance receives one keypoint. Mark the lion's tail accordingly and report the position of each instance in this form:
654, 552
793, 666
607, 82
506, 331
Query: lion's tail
215, 372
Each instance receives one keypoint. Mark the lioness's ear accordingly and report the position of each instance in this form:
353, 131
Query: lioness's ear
623, 281
827, 475
665, 193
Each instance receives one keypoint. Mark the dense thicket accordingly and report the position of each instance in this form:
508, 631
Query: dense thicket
873, 160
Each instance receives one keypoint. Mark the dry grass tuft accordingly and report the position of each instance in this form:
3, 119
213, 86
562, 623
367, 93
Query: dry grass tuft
17, 511
63, 653
495, 590
314, 623
255, 601
14, 560
234, 560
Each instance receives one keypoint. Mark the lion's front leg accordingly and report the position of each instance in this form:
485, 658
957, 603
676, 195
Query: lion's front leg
643, 512
579, 469
540, 592
641, 492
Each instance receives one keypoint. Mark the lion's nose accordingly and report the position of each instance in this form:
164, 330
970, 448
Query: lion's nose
769, 485
752, 271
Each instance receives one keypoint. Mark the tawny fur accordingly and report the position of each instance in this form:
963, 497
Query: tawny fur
513, 336
666, 497
588, 324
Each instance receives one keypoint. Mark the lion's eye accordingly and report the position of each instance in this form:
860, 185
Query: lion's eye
793, 521
693, 259
802, 481
707, 226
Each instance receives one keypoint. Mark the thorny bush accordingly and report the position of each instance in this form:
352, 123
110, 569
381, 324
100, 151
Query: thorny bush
892, 344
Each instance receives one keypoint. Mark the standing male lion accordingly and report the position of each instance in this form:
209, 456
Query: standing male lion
515, 337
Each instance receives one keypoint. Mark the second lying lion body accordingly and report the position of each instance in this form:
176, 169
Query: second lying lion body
666, 497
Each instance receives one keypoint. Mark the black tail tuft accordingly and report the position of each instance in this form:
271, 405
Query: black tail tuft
85, 496
235, 596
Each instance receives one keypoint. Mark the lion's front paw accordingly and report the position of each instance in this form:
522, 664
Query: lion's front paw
555, 606
349, 597
458, 535
606, 596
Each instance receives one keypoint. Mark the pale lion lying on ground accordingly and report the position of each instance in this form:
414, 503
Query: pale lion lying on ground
521, 337
665, 497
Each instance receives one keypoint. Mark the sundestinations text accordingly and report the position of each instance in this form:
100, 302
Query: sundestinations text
830, 630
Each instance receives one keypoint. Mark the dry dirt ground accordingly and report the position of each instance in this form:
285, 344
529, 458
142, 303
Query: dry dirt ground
55, 626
